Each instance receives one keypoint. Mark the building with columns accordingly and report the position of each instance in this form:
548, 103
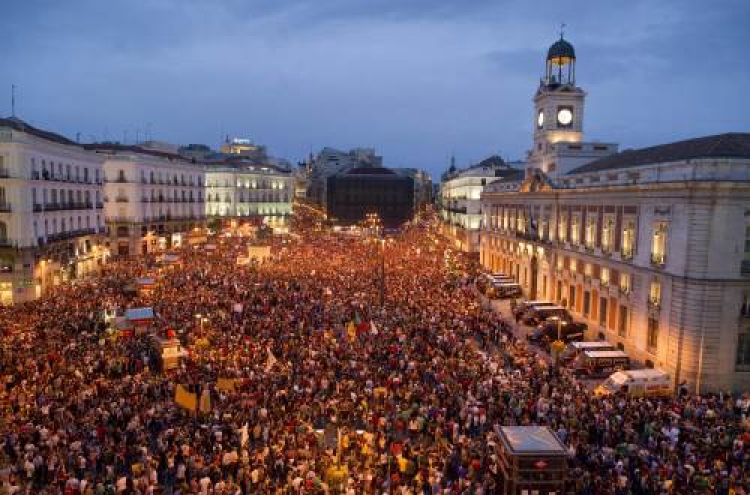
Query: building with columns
650, 247
51, 211
152, 199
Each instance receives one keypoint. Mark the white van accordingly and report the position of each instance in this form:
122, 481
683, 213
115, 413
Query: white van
637, 383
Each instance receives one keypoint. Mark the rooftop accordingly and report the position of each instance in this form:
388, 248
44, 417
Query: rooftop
729, 145
529, 439
370, 171
21, 126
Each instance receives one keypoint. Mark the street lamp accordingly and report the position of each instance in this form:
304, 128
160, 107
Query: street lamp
558, 345
382, 272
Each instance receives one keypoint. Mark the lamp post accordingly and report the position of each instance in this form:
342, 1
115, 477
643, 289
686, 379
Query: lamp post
558, 345
382, 272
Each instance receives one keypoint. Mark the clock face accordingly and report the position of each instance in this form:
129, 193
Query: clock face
564, 116
540, 119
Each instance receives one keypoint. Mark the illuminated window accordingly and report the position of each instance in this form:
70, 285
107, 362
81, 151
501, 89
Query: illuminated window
625, 283
659, 244
608, 230
559, 263
562, 228
573, 265
654, 293
587, 269
604, 276
590, 239
575, 234
628, 239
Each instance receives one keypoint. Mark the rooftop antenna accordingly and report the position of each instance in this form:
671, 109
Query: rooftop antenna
12, 100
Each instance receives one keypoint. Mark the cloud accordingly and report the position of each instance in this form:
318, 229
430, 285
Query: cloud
416, 78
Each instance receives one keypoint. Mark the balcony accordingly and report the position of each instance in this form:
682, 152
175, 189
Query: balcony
624, 290
38, 207
653, 303
35, 175
658, 260
99, 205
4, 173
745, 268
121, 199
145, 200
627, 254
5, 207
116, 219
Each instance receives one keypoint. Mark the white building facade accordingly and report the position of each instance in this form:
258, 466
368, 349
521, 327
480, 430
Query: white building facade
152, 199
651, 248
263, 193
51, 211
460, 205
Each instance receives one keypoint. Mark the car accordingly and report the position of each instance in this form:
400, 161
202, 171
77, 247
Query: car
547, 332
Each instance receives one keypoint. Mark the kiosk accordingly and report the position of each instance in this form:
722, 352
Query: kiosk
532, 460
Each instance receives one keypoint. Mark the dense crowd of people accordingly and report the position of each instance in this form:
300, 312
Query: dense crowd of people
330, 391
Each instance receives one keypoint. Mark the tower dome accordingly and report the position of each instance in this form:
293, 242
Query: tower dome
561, 61
561, 52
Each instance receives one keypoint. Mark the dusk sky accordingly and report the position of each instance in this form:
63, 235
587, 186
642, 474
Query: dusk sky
416, 79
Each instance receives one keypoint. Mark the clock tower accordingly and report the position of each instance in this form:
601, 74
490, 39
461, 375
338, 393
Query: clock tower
558, 107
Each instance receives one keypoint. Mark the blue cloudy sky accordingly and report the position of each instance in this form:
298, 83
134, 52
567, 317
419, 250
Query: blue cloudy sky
416, 79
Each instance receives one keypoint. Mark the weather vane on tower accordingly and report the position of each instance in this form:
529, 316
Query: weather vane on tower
562, 29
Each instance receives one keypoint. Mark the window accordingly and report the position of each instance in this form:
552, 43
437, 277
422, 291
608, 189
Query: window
572, 295
625, 283
590, 239
603, 311
573, 265
608, 230
654, 294
586, 303
745, 307
560, 265
628, 239
659, 244
588, 269
653, 334
562, 228
604, 276
575, 234
622, 322
743, 352
745, 267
